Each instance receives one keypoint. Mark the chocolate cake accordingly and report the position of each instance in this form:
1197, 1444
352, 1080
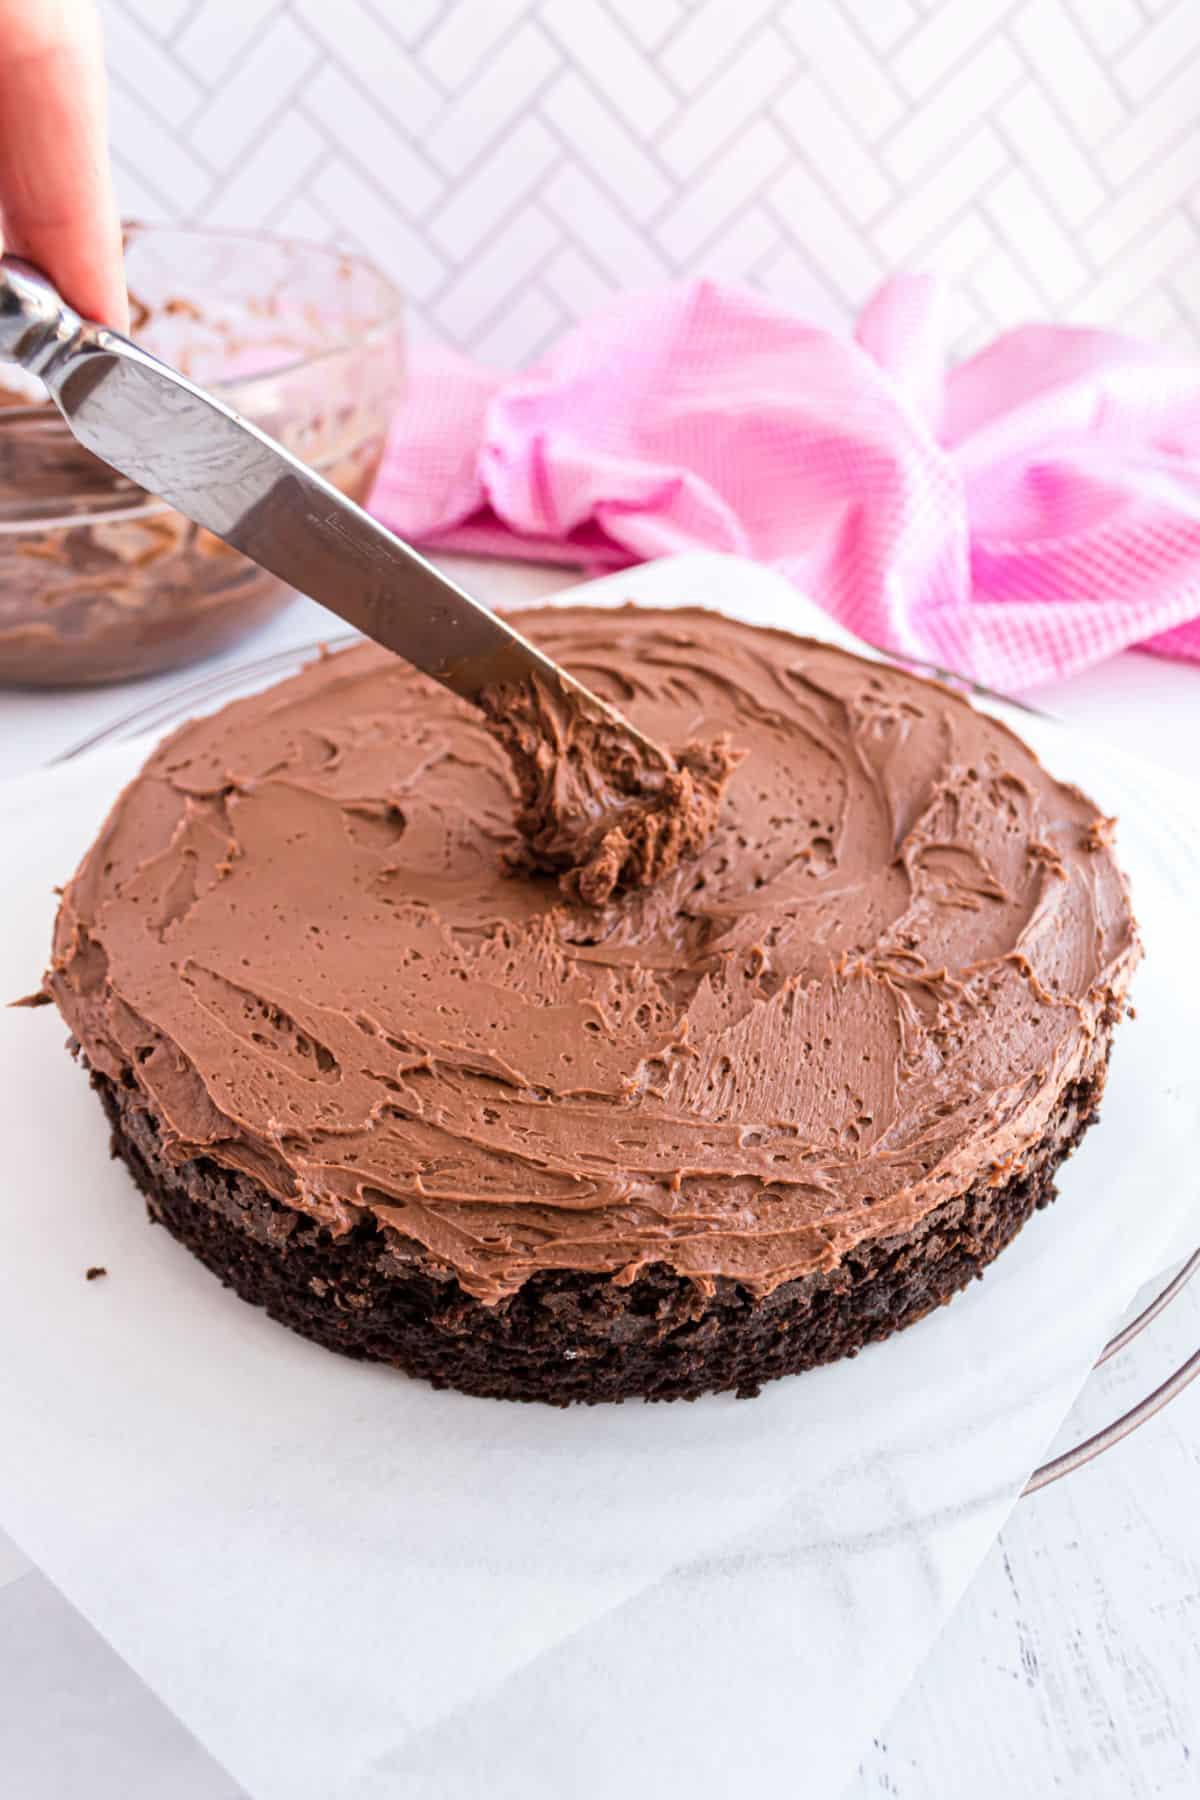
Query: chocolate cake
429, 1107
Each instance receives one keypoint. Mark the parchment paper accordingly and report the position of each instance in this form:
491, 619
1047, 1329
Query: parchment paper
349, 1586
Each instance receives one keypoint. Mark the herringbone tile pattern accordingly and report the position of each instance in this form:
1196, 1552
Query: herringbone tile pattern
511, 162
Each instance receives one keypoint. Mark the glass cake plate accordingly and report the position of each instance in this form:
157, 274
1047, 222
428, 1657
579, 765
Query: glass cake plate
207, 692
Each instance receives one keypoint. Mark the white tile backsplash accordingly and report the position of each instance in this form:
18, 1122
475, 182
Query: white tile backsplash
1044, 154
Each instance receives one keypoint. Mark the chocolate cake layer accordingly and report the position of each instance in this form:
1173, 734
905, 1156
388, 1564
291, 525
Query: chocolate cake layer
565, 1337
298, 950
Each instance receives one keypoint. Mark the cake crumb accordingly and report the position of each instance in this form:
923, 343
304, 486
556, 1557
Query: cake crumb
95, 1272
1100, 834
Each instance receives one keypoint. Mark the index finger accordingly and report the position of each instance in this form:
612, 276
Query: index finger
56, 196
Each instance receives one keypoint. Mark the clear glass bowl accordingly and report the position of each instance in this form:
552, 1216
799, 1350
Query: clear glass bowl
101, 582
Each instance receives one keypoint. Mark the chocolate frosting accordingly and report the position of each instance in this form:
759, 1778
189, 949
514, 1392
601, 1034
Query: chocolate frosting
100, 583
295, 935
605, 811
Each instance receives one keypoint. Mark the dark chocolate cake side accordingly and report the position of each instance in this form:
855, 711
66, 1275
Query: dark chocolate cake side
567, 1337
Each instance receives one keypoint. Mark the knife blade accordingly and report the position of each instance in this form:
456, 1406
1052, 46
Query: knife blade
185, 445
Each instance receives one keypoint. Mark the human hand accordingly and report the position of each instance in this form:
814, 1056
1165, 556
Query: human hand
56, 198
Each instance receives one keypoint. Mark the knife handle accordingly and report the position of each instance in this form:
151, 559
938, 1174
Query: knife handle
35, 321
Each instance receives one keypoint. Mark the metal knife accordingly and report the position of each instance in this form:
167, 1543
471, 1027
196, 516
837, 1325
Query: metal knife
155, 426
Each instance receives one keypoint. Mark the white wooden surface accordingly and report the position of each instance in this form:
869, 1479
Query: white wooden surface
1072, 1666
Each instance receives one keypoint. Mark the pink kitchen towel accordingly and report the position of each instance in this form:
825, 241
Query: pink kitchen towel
1016, 518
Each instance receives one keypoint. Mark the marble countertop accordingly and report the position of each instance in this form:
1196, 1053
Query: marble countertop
1072, 1665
